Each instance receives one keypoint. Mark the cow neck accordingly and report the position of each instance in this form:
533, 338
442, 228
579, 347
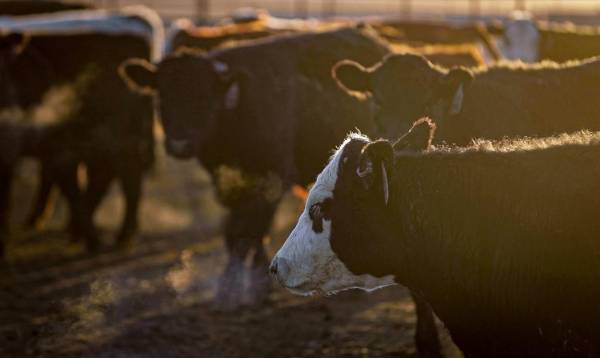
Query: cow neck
217, 149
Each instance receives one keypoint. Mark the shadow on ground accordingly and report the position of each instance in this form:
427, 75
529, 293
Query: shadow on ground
154, 300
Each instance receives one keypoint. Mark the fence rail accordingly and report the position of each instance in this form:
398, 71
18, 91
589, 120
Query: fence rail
326, 8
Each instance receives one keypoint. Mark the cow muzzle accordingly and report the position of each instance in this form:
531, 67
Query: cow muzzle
179, 148
279, 269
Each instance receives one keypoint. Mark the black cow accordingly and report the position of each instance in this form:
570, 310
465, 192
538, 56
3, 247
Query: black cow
499, 101
97, 121
258, 117
500, 237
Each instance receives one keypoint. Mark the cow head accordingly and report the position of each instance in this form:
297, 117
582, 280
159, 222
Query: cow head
405, 88
341, 239
192, 91
13, 44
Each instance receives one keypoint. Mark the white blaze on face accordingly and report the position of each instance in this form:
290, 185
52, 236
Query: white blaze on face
306, 263
521, 39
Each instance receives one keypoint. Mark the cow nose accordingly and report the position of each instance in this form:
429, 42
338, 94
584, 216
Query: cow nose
273, 268
279, 268
179, 148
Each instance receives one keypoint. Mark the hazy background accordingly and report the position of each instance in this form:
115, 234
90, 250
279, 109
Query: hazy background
155, 299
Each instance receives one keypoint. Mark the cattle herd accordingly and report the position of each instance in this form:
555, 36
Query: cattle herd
477, 191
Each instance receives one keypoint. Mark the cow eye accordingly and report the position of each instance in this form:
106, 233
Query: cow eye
319, 212
315, 212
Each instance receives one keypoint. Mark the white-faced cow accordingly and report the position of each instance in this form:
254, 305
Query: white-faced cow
522, 38
500, 237
90, 116
505, 100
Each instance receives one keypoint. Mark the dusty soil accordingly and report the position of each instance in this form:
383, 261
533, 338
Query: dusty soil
155, 299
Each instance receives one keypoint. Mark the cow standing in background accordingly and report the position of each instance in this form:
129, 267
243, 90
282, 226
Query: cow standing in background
500, 237
82, 110
500, 101
522, 38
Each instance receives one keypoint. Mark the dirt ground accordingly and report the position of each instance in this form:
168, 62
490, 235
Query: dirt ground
155, 299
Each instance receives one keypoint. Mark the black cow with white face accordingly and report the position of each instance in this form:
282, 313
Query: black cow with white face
504, 100
499, 237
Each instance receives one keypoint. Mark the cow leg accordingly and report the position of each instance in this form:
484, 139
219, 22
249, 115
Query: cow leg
260, 285
231, 283
43, 201
247, 224
5, 186
260, 282
81, 218
426, 335
131, 183
99, 180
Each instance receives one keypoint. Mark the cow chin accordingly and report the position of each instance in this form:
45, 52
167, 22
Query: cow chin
343, 281
307, 265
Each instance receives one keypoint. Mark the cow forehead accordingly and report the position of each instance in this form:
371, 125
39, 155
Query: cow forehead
405, 65
327, 179
180, 63
181, 73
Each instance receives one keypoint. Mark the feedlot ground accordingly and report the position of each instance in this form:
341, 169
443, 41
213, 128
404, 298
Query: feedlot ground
154, 300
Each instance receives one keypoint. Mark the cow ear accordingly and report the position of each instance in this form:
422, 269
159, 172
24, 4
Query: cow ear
232, 95
17, 42
375, 167
352, 76
451, 91
418, 138
139, 75
230, 79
